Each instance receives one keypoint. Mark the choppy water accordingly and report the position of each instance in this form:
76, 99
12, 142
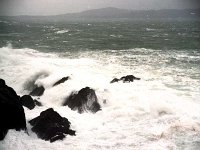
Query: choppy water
59, 37
160, 111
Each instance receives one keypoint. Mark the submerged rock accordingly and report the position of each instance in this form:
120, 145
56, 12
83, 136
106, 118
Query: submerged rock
30, 84
37, 103
50, 126
84, 100
38, 91
12, 114
128, 78
61, 81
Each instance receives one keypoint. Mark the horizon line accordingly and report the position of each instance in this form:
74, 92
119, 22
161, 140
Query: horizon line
96, 9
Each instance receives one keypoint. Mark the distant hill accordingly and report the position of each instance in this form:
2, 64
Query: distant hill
108, 12
111, 13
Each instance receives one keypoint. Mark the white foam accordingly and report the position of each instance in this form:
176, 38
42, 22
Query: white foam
116, 36
139, 115
149, 29
62, 31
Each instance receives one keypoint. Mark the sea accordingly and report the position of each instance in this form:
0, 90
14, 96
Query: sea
159, 112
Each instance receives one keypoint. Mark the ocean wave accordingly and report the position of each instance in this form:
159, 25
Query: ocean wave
143, 114
150, 29
62, 31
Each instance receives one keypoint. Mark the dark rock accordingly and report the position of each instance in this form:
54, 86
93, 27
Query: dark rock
50, 126
84, 100
61, 81
59, 136
114, 80
37, 103
128, 78
30, 85
27, 101
104, 101
12, 114
38, 91
2, 83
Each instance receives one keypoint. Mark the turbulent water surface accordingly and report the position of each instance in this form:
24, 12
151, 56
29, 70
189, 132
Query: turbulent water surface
160, 111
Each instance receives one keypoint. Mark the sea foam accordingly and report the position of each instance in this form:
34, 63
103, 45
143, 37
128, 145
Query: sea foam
145, 114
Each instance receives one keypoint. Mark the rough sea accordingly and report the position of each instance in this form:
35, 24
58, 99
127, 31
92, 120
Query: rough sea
159, 112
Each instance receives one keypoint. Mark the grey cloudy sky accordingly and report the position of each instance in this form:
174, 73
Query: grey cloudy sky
52, 7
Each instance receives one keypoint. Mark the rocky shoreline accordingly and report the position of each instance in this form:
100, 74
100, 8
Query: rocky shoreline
49, 125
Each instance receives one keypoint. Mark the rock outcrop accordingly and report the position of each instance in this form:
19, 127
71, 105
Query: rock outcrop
83, 101
12, 114
114, 80
128, 78
38, 91
61, 81
50, 126
27, 101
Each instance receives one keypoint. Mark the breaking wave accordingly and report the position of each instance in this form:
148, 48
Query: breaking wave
152, 112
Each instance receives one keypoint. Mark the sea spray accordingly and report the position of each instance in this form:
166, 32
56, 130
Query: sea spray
156, 111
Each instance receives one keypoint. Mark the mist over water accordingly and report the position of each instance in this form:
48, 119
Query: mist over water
160, 111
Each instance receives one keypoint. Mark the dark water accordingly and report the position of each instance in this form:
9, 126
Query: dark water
160, 111
47, 37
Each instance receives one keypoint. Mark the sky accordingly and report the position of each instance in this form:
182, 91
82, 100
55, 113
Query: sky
54, 7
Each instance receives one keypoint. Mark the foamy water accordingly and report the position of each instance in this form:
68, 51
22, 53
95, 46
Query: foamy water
160, 111
62, 31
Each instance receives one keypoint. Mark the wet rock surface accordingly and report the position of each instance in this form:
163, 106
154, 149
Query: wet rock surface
12, 114
128, 78
38, 91
83, 101
50, 126
61, 81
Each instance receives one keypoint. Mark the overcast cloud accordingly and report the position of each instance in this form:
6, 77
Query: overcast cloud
52, 7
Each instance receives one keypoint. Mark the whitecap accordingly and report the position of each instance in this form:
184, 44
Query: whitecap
150, 29
141, 115
62, 31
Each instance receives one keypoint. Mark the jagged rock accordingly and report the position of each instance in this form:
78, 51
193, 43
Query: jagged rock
27, 101
114, 80
38, 91
61, 81
37, 103
12, 114
128, 78
50, 126
84, 100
